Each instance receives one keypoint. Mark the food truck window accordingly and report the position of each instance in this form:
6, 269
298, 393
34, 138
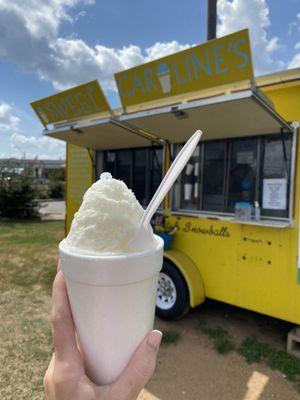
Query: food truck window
276, 169
140, 175
190, 182
243, 170
110, 163
156, 168
214, 170
224, 172
140, 169
124, 166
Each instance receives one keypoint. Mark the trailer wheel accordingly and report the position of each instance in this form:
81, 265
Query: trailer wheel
172, 301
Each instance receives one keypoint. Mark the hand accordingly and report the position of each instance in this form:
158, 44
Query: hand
65, 378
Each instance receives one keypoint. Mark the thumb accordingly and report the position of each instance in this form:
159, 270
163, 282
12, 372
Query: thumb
140, 368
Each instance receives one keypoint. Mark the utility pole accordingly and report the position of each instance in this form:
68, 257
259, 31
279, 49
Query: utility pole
211, 19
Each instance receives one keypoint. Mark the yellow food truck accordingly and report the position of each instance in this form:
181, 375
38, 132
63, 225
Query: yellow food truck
249, 154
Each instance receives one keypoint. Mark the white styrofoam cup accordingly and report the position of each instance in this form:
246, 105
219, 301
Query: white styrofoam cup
112, 299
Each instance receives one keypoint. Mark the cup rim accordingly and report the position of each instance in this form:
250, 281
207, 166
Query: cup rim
69, 253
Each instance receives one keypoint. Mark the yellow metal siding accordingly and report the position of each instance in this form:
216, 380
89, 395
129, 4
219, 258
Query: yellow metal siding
286, 99
79, 177
249, 266
255, 267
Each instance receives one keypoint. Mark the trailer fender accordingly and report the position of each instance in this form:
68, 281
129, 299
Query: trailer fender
190, 273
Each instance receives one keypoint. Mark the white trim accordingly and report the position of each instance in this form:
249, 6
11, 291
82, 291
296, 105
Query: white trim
272, 223
244, 94
292, 173
186, 106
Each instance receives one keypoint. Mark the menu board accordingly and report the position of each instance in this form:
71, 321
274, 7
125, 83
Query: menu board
274, 194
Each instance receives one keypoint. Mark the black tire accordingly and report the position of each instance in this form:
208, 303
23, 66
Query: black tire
181, 305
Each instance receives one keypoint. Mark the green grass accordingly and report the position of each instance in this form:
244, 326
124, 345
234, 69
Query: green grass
254, 351
29, 254
220, 339
28, 259
170, 337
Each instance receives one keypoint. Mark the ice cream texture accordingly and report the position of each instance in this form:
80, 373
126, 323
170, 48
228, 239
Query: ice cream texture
106, 220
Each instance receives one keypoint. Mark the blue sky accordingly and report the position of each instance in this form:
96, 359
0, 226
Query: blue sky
51, 45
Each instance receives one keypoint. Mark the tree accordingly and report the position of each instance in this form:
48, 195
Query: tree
18, 194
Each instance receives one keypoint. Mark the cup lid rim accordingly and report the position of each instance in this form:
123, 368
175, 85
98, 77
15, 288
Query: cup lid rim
68, 252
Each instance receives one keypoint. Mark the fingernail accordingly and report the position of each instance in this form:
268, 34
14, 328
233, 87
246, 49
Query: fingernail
154, 338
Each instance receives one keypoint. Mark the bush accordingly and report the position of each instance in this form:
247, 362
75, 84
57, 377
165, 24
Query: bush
56, 190
57, 174
18, 195
42, 191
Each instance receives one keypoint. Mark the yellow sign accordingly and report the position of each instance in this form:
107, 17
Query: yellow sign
216, 62
73, 103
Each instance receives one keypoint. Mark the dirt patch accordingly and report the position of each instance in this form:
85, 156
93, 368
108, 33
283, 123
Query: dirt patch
191, 369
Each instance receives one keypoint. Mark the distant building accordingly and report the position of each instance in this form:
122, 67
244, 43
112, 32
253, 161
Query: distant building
39, 168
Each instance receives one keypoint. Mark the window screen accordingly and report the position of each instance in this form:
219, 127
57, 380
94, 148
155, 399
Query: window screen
221, 173
124, 166
190, 182
140, 175
156, 168
110, 162
243, 169
276, 168
214, 164
140, 169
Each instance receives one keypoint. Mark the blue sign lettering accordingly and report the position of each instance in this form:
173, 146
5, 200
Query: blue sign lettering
179, 80
204, 66
148, 76
218, 60
121, 90
240, 53
188, 68
137, 84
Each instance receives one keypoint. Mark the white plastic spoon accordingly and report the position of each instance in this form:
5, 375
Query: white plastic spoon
142, 235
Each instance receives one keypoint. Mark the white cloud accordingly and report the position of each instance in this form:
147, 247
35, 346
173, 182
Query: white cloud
273, 45
237, 14
32, 146
159, 49
8, 121
39, 142
295, 25
295, 61
35, 45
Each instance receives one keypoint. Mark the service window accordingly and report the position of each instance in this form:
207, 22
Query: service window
190, 195
223, 172
276, 170
214, 175
110, 163
140, 169
124, 165
156, 168
243, 171
140, 161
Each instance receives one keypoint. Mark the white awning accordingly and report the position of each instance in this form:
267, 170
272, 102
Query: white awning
102, 134
245, 113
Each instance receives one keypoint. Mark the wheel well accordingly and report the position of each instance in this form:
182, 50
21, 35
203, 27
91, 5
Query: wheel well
166, 260
190, 273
